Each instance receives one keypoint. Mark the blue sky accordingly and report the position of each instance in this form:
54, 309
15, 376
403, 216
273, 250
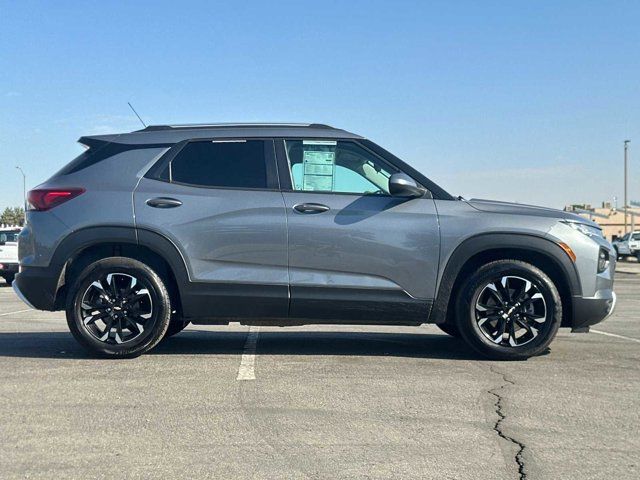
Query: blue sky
520, 101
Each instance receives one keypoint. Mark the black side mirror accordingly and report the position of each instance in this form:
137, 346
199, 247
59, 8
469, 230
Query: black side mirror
401, 185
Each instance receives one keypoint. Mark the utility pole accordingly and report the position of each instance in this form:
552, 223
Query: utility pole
24, 190
626, 168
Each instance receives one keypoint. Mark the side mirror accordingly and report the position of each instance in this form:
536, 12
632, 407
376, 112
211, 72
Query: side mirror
401, 185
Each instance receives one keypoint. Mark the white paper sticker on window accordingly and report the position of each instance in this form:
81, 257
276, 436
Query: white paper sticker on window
318, 160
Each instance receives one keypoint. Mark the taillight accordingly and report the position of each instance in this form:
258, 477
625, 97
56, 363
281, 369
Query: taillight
47, 198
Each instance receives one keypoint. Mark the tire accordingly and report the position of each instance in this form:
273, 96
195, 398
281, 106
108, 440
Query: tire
449, 329
176, 325
114, 316
511, 319
9, 278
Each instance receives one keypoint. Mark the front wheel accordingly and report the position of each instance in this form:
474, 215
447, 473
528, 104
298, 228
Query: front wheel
508, 310
118, 307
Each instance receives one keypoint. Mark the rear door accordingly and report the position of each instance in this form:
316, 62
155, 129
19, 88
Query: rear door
218, 201
356, 253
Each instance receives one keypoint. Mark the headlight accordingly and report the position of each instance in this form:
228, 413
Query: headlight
603, 260
588, 230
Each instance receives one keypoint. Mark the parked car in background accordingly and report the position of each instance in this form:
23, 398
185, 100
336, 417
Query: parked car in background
296, 224
9, 253
628, 245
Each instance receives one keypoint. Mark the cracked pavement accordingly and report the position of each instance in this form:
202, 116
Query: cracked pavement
326, 402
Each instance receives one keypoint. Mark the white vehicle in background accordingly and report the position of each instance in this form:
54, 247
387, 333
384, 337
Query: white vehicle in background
628, 245
9, 252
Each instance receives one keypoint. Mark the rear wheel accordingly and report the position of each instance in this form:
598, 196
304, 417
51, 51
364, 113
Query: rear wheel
509, 310
118, 307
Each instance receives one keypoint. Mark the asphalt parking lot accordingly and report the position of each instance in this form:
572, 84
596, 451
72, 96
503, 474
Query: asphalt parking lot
320, 403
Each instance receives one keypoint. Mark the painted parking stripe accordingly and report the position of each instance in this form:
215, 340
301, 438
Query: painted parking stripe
614, 335
12, 313
248, 361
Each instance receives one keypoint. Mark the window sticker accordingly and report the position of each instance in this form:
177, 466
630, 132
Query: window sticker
319, 165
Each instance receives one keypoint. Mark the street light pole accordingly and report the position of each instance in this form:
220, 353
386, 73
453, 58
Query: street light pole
24, 189
626, 167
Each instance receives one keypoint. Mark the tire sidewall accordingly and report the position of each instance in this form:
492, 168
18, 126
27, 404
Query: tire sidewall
160, 315
466, 315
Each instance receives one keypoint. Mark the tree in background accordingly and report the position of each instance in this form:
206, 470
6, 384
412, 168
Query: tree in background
12, 216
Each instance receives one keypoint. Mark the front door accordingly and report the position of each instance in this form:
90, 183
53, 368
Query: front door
356, 253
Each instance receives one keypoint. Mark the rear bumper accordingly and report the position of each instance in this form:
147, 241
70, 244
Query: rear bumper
37, 287
589, 311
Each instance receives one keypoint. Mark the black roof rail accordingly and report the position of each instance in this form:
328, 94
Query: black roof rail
201, 126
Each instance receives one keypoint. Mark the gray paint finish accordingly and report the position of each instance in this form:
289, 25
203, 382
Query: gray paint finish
253, 237
225, 235
364, 242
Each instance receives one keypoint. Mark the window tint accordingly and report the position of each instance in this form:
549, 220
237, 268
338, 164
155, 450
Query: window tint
336, 166
238, 164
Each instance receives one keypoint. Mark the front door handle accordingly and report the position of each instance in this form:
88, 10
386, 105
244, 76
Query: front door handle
310, 208
164, 202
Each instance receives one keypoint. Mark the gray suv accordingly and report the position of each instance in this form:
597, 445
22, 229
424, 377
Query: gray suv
292, 224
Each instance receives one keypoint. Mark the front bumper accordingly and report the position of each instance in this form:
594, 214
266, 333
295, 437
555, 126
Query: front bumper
589, 311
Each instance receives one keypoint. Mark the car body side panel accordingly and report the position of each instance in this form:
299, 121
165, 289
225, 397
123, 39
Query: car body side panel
377, 242
460, 221
225, 235
107, 201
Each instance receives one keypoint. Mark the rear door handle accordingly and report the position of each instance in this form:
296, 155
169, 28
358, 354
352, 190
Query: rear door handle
310, 208
164, 202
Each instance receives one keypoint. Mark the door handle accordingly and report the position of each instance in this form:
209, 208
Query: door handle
310, 208
164, 202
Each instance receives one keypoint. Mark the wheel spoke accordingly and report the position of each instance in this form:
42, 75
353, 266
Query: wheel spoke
107, 299
503, 289
512, 334
535, 318
137, 326
510, 311
483, 307
93, 318
530, 330
492, 289
502, 325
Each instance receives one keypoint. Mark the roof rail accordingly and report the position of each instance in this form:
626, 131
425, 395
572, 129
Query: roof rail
193, 126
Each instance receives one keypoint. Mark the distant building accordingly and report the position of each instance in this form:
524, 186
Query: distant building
613, 224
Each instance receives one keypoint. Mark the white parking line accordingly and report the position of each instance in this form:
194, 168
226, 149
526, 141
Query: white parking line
11, 313
614, 335
248, 361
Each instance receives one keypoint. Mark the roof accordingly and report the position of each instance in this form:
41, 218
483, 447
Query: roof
169, 134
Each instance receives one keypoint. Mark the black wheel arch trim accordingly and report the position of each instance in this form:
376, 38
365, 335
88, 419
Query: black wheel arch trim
80, 240
487, 242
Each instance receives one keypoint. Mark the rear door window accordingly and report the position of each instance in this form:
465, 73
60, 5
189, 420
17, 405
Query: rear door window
231, 164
